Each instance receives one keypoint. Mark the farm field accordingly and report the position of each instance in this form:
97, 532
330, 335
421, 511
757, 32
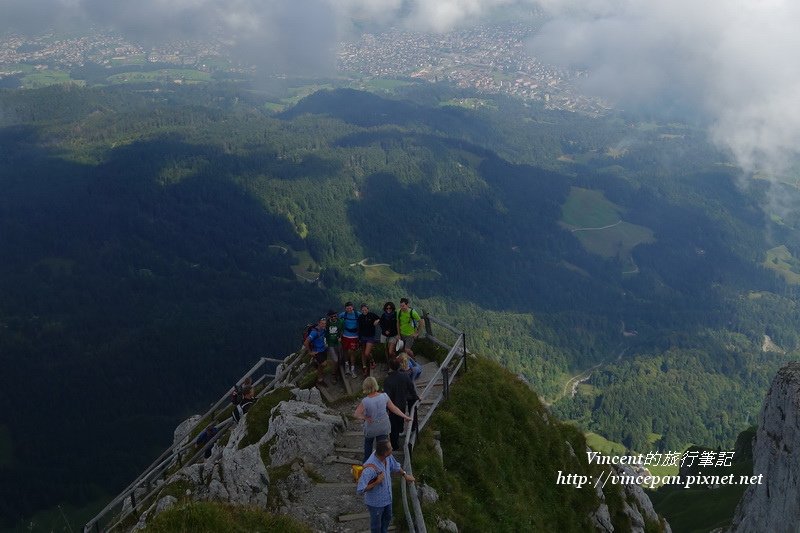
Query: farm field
43, 78
586, 208
598, 225
781, 260
163, 75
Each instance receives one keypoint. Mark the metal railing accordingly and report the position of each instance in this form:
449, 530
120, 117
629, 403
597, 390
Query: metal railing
447, 371
146, 485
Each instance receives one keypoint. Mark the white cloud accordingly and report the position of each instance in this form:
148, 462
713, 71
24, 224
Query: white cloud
443, 15
732, 62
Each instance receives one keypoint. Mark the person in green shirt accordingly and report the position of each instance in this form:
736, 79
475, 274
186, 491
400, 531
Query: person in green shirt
408, 325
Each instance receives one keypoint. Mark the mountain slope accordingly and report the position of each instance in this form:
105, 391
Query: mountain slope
164, 237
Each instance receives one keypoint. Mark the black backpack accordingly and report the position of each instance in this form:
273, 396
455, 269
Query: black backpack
242, 407
237, 394
411, 317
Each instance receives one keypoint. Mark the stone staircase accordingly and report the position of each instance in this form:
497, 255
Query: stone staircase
331, 503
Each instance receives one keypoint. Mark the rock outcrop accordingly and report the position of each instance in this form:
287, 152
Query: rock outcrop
181, 434
300, 429
636, 505
774, 504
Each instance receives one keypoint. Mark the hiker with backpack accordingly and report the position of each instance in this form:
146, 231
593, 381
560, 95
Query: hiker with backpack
242, 398
401, 390
408, 324
316, 345
373, 411
349, 337
333, 335
375, 484
388, 325
367, 321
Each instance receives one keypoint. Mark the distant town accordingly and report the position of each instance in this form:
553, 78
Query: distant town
489, 59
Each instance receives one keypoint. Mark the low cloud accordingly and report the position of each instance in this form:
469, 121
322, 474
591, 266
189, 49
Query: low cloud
730, 64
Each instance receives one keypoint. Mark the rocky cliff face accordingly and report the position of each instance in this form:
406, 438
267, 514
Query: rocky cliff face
300, 429
774, 505
636, 506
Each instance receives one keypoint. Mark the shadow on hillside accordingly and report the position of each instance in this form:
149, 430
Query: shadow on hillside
133, 291
498, 243
366, 109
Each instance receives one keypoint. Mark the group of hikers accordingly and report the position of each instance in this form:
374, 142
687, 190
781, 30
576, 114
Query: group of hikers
338, 337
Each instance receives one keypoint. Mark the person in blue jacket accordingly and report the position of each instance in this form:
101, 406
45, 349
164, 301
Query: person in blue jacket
317, 346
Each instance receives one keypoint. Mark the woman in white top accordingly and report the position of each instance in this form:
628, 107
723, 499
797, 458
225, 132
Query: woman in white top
372, 410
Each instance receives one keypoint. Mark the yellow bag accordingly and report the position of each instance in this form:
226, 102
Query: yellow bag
357, 470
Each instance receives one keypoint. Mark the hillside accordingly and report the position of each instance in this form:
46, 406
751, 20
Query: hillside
169, 236
491, 457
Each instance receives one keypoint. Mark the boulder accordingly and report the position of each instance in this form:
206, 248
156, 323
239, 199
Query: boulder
239, 476
428, 494
301, 430
181, 434
445, 524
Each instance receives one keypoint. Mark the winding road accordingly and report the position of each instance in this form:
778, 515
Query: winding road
364, 264
617, 223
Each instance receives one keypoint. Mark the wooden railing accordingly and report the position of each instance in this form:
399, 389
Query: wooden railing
448, 369
287, 370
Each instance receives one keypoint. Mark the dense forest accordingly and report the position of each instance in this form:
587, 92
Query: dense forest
157, 240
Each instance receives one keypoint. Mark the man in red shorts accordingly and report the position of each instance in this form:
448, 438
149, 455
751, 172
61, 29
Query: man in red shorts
350, 337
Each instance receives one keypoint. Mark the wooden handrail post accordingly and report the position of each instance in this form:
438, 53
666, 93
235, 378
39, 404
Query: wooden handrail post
428, 327
464, 347
292, 365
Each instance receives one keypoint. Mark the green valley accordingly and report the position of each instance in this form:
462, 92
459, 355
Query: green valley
159, 233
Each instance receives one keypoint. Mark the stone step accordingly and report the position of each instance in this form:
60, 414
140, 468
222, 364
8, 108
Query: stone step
349, 450
359, 451
342, 460
326, 393
353, 516
328, 485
